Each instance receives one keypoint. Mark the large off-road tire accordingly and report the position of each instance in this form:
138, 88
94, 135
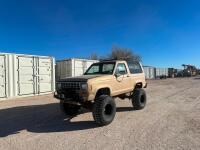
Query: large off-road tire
139, 99
104, 110
69, 109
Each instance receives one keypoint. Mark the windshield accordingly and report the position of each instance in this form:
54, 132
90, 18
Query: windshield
101, 68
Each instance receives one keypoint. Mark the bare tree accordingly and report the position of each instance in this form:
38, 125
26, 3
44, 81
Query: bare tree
93, 56
123, 53
118, 53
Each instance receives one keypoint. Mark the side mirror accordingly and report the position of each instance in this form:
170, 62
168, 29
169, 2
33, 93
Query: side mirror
117, 75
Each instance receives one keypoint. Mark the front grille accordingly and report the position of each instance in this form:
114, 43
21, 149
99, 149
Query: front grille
71, 85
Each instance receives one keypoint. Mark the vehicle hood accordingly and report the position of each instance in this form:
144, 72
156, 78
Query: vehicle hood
82, 78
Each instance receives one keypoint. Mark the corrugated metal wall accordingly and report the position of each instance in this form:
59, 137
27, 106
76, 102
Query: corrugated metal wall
63, 69
81, 65
149, 72
161, 72
2, 77
72, 67
22, 75
152, 72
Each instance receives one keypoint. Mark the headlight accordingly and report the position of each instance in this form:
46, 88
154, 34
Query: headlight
84, 86
58, 85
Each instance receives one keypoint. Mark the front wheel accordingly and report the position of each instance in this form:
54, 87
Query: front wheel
139, 99
104, 110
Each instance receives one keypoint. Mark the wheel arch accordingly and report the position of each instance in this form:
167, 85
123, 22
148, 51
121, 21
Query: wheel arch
103, 91
139, 85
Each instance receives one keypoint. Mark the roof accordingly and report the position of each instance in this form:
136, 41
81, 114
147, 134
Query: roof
29, 55
114, 60
111, 60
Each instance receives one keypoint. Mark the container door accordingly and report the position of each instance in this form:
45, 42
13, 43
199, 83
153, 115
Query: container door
89, 63
84, 64
79, 67
151, 73
146, 71
2, 77
45, 75
26, 83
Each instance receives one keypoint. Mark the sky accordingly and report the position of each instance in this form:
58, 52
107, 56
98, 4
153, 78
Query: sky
164, 33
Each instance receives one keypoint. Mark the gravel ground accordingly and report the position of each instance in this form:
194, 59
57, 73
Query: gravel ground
171, 120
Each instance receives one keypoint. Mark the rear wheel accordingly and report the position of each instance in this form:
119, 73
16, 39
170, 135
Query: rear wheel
139, 99
104, 110
69, 109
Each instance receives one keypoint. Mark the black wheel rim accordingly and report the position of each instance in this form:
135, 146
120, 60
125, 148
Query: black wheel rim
142, 100
108, 110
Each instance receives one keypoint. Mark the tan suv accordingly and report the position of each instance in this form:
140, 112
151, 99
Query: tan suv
98, 87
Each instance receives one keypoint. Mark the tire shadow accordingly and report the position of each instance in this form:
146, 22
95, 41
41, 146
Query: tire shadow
124, 109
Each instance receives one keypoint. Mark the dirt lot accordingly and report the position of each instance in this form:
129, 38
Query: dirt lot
171, 120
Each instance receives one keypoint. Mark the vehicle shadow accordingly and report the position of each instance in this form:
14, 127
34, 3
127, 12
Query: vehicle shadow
41, 119
38, 118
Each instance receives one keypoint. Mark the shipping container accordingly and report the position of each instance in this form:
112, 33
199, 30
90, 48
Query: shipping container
149, 72
161, 72
72, 67
171, 72
26, 75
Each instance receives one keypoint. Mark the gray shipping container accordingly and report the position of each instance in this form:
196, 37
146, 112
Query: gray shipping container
149, 72
161, 72
26, 75
72, 67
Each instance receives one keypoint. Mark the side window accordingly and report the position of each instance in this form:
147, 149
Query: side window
108, 68
121, 69
134, 67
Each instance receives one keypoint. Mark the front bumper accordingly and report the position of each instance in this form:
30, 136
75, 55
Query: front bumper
72, 96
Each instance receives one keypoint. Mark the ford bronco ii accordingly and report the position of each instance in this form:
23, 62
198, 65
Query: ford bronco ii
100, 85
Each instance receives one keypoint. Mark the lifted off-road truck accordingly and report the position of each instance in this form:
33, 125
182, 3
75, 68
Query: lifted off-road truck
98, 87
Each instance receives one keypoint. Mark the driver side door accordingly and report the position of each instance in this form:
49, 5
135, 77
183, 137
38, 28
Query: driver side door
122, 79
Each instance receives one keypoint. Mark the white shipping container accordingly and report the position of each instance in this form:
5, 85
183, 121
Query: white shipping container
2, 76
161, 72
72, 67
149, 72
26, 75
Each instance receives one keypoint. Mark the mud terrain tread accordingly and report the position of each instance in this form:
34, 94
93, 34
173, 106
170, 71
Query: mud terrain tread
136, 99
99, 106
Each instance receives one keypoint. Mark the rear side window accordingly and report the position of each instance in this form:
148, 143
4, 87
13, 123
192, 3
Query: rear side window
134, 67
121, 69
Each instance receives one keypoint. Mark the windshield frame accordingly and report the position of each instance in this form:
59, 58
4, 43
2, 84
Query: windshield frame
101, 65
